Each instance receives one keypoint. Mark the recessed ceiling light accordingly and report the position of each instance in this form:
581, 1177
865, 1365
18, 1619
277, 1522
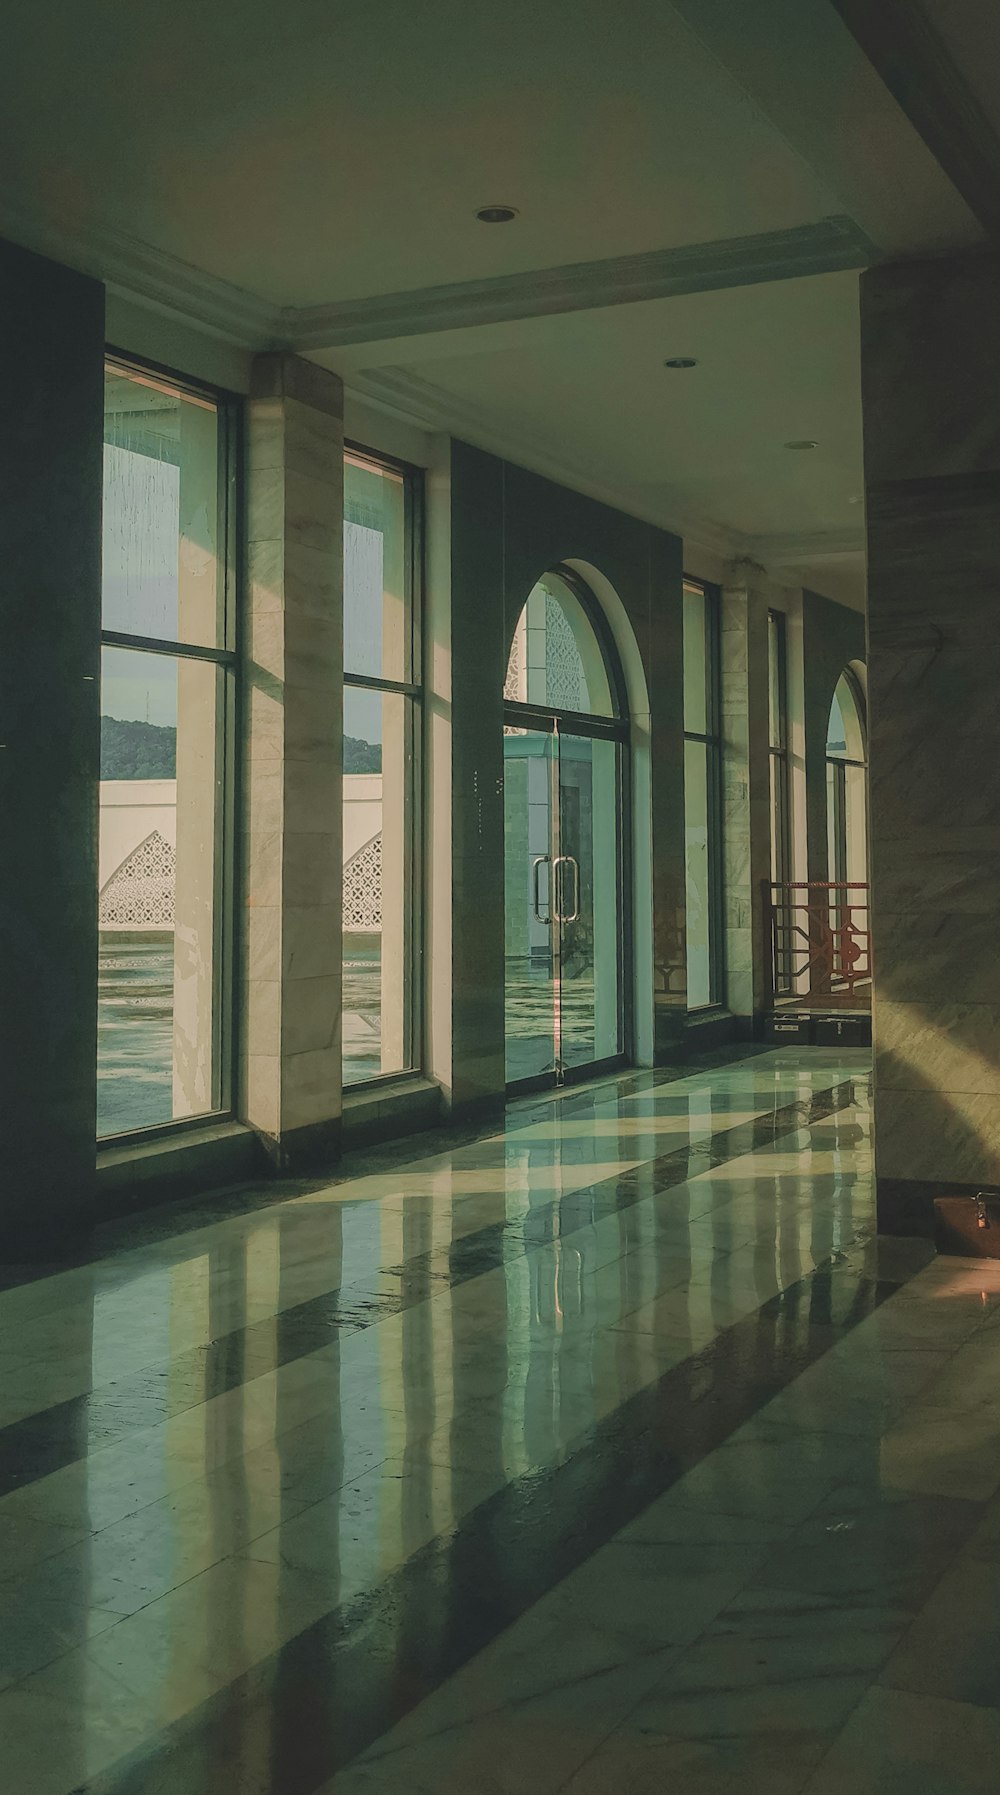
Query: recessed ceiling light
680, 361
803, 442
496, 214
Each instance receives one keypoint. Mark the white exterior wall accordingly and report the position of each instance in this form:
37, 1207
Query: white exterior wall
132, 809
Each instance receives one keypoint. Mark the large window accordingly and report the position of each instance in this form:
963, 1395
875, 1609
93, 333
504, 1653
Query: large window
702, 796
382, 728
168, 668
777, 725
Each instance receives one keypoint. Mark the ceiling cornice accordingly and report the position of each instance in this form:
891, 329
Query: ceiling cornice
415, 400
914, 62
808, 545
139, 270
828, 246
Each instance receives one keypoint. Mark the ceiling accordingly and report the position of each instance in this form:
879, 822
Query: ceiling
705, 178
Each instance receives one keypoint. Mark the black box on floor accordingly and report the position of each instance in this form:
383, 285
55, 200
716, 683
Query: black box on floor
787, 1029
842, 1031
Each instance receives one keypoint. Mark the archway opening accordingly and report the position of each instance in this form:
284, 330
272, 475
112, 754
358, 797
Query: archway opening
567, 915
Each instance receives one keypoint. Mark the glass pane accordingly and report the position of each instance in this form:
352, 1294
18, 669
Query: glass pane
697, 874
160, 798
378, 767
377, 636
836, 735
556, 660
775, 681
695, 661
856, 824
528, 942
162, 567
778, 832
586, 889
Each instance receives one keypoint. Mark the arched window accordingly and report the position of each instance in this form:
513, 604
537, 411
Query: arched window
566, 914
557, 661
846, 784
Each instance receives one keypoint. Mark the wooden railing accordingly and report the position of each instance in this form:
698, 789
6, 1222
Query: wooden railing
819, 944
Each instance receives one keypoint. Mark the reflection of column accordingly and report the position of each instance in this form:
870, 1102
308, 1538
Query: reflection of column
197, 771
931, 393
745, 786
294, 804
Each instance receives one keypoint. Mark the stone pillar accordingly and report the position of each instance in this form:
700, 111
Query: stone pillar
293, 881
51, 432
746, 820
931, 393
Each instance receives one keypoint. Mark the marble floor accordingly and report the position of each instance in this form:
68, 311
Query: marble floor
607, 1454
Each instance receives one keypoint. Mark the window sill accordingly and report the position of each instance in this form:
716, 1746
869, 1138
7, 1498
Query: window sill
384, 1111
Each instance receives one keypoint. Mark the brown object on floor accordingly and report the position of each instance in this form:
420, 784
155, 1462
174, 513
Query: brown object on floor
968, 1226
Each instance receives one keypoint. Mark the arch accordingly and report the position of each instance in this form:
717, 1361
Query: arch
362, 913
562, 657
140, 892
609, 630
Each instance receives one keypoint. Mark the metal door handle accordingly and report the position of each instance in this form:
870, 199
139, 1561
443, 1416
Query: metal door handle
568, 860
540, 861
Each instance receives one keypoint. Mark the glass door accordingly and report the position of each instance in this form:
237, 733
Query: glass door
563, 932
530, 940
587, 886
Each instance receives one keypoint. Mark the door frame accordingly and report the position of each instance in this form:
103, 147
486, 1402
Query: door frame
557, 722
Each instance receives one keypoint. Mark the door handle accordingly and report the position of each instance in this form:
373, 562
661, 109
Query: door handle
540, 861
568, 860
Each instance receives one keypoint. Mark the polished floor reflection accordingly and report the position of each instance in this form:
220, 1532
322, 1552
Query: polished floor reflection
606, 1453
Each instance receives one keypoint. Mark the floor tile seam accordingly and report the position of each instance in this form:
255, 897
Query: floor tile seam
240, 1335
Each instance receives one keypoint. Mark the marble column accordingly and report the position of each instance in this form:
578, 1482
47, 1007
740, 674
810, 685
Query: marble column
745, 789
51, 432
931, 393
293, 880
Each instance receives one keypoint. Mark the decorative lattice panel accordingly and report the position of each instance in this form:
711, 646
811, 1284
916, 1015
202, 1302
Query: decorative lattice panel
363, 888
565, 686
141, 893
512, 684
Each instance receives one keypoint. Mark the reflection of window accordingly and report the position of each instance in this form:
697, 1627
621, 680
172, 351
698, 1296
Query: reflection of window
381, 733
777, 724
846, 794
166, 701
702, 797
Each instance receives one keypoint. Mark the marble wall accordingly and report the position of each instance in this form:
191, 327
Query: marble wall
51, 435
931, 388
293, 862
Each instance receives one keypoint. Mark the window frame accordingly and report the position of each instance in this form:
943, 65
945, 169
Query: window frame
225, 656
711, 738
415, 798
779, 795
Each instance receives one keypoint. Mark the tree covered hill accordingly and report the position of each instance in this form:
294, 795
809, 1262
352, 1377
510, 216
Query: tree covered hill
134, 750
